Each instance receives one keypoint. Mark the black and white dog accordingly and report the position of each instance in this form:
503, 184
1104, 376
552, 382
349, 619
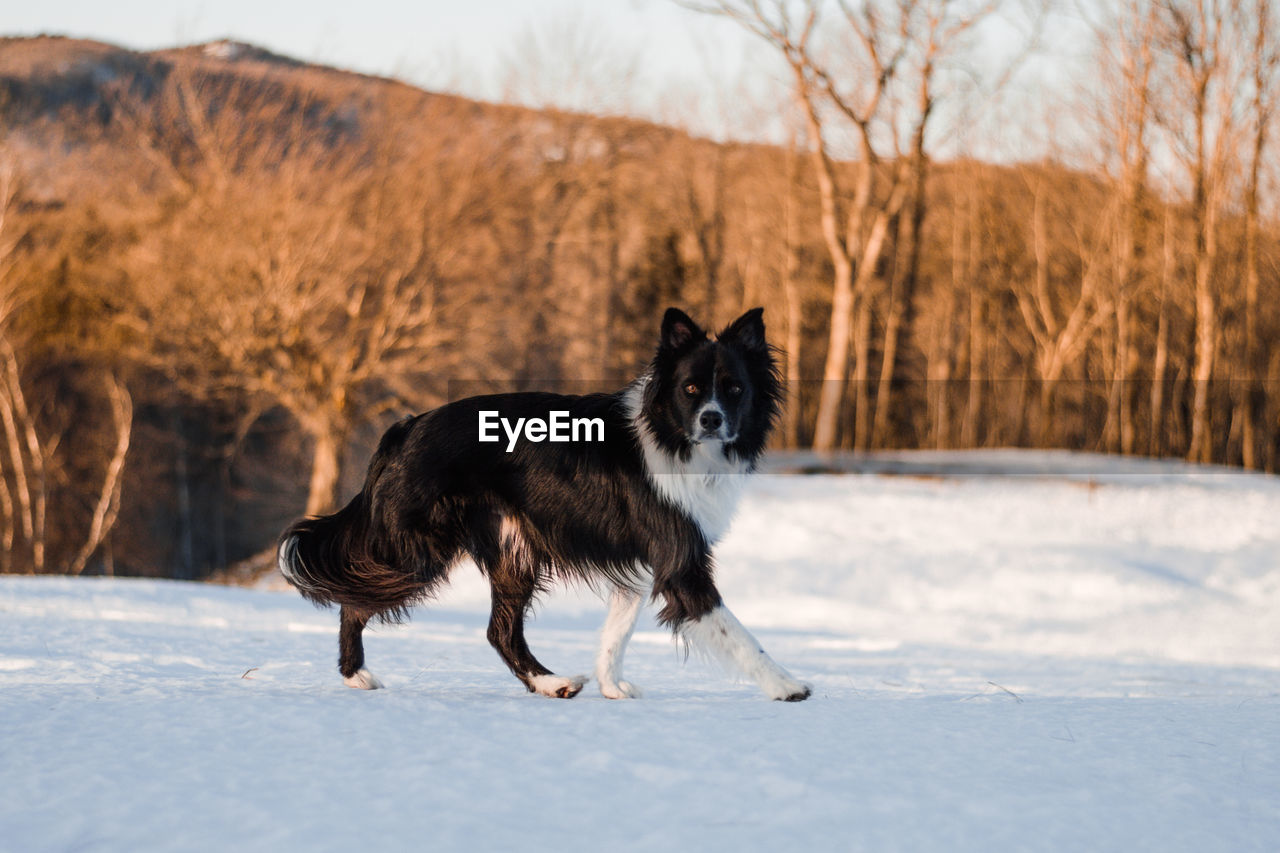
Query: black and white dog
632, 506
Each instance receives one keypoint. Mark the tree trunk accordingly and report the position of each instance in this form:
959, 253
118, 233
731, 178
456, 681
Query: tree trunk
791, 424
862, 376
27, 456
972, 436
938, 375
900, 308
1254, 398
1136, 70
710, 233
795, 340
1160, 360
1117, 433
108, 506
1204, 215
1048, 397
831, 395
902, 293
1201, 448
834, 371
8, 522
862, 433
182, 486
1023, 410
884, 387
612, 281
1126, 393
977, 330
326, 471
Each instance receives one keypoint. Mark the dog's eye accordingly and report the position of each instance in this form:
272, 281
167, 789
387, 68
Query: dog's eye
691, 390
733, 390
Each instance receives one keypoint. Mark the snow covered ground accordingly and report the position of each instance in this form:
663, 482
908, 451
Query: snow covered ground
1084, 655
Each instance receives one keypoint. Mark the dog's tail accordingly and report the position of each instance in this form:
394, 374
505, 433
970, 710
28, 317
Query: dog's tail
336, 559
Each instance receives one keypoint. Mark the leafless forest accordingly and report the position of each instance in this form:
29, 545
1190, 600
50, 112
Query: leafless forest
224, 272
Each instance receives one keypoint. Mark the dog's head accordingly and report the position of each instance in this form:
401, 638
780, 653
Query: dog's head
723, 393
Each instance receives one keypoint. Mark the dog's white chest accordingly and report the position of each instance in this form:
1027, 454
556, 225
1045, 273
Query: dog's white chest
707, 487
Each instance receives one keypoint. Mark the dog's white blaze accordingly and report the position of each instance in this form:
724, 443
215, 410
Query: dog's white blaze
722, 636
550, 685
363, 680
624, 607
707, 488
712, 406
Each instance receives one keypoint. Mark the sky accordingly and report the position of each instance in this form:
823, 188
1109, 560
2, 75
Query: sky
650, 58
642, 51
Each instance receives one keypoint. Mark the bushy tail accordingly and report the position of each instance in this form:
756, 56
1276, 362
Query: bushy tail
338, 558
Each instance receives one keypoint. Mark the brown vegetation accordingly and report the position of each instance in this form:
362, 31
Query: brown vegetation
222, 276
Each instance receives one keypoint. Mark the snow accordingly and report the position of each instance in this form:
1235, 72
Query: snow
1032, 651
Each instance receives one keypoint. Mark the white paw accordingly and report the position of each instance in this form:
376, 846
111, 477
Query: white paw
363, 680
789, 690
620, 690
557, 686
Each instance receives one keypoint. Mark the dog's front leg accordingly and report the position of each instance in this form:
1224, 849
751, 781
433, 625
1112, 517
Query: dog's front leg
624, 607
694, 609
719, 633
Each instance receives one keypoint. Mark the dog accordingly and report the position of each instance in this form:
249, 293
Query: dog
633, 507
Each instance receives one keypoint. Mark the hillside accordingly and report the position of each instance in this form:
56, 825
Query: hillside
89, 97
1000, 661
67, 102
271, 261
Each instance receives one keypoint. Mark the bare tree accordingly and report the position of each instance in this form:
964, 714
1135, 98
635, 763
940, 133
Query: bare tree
26, 475
791, 293
570, 63
1264, 65
26, 506
941, 26
1197, 38
966, 234
107, 508
29, 456
846, 77
299, 272
1126, 40
854, 237
1060, 315
1160, 356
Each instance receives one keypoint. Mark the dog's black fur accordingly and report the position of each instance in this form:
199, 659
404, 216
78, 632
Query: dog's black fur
578, 511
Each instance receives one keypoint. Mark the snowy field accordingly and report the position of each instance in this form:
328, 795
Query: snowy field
1032, 652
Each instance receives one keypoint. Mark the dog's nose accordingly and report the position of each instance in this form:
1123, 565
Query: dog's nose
711, 421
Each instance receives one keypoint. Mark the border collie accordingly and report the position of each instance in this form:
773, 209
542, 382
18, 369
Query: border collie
634, 512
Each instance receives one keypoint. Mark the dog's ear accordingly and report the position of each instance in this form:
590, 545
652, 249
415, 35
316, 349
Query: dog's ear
678, 330
747, 331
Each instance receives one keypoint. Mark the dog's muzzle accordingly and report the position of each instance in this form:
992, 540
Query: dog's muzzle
712, 426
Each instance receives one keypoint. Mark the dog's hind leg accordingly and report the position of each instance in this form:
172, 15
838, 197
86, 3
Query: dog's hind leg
624, 607
351, 651
512, 585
